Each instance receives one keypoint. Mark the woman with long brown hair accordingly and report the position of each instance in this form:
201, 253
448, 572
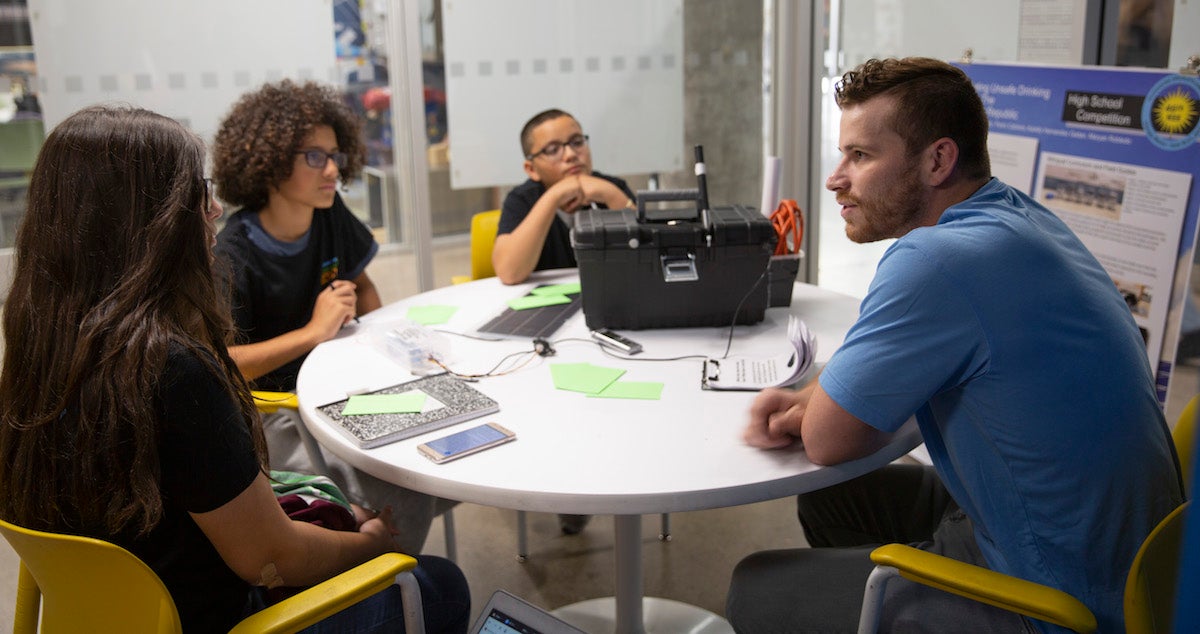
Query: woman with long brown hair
122, 415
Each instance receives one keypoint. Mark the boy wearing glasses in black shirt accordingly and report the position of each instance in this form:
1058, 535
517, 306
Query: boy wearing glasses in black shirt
533, 232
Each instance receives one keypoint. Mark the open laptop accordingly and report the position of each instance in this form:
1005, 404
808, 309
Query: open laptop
506, 614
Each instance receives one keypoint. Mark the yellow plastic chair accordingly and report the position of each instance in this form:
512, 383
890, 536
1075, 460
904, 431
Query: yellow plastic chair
1149, 587
1184, 435
287, 402
82, 584
483, 237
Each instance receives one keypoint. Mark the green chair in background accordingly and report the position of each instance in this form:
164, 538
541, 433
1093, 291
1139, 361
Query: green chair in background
20, 141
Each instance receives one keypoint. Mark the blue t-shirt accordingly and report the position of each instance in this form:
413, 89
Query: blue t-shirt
1031, 384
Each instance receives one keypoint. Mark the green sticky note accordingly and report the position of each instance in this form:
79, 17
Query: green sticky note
583, 377
431, 315
405, 403
645, 390
571, 288
537, 301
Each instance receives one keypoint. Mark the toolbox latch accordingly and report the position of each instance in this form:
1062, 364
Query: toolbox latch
679, 268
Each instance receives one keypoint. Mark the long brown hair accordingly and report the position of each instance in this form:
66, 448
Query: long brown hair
113, 266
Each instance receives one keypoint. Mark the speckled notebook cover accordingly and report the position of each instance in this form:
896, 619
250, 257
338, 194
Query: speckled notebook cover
457, 399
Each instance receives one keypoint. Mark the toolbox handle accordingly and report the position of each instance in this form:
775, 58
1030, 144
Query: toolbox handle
662, 195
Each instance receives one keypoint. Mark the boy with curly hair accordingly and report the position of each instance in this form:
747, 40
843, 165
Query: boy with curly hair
297, 260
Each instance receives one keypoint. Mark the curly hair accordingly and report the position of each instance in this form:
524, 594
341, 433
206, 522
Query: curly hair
113, 267
255, 147
933, 100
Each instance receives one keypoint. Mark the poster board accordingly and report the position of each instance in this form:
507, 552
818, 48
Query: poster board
1114, 153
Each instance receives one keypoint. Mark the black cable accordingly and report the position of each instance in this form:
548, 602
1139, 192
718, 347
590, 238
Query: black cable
532, 354
494, 371
729, 342
612, 353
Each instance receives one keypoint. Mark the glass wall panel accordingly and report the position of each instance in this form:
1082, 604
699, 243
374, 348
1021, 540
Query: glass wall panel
883, 28
722, 99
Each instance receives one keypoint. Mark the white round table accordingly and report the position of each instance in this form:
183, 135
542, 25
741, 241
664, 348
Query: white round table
582, 455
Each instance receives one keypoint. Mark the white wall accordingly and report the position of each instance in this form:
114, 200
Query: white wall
1185, 33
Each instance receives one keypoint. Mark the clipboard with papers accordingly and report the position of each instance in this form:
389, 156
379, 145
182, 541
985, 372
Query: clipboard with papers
756, 373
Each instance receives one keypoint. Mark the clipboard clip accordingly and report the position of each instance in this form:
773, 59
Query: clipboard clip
710, 370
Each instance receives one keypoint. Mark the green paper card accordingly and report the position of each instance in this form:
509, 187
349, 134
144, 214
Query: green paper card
537, 301
644, 390
583, 377
571, 288
431, 315
406, 403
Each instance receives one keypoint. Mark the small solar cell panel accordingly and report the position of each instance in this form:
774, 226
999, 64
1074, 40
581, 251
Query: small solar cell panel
533, 322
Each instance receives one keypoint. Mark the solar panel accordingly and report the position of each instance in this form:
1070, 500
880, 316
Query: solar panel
533, 322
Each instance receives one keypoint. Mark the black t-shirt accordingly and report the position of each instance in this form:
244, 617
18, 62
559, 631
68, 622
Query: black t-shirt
275, 284
206, 459
556, 251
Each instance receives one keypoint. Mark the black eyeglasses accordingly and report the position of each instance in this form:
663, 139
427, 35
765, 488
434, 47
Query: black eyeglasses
553, 149
317, 159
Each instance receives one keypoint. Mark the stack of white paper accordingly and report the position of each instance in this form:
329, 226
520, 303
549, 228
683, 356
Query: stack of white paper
749, 373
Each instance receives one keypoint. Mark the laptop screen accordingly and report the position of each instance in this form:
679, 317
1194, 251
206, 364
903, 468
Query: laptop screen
497, 622
506, 614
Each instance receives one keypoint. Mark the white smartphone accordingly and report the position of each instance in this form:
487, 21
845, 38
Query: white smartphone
466, 442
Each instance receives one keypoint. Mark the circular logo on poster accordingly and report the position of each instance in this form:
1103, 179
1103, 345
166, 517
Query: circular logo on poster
1171, 111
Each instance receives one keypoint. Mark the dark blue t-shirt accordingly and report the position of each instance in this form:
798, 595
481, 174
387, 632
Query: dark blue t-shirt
556, 250
275, 284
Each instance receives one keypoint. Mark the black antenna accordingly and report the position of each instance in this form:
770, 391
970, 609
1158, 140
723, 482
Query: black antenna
702, 188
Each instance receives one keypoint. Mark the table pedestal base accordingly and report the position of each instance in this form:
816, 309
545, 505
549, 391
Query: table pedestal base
661, 616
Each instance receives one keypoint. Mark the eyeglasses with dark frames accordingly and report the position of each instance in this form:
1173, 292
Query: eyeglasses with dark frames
317, 159
553, 150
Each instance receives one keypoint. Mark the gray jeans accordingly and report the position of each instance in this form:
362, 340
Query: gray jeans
412, 511
820, 589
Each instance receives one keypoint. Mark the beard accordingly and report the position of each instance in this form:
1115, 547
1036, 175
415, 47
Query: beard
890, 213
